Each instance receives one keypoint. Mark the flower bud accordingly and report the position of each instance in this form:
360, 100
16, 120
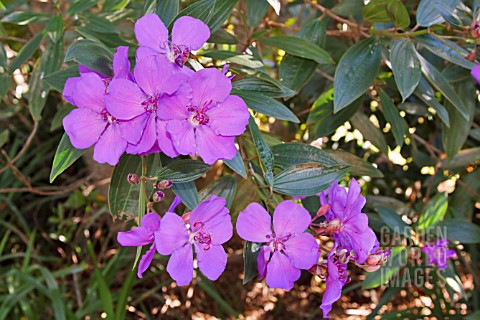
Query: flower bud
158, 196
319, 270
164, 184
475, 29
133, 178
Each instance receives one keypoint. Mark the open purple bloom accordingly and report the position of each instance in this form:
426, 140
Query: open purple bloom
438, 253
476, 73
288, 247
208, 123
91, 124
337, 276
142, 236
346, 222
208, 228
188, 34
137, 103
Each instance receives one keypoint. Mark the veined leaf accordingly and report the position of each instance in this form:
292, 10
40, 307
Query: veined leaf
288, 154
267, 106
299, 47
266, 155
65, 156
369, 131
434, 212
399, 125
225, 188
406, 66
183, 171
92, 55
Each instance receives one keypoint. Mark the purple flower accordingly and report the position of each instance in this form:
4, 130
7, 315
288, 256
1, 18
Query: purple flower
346, 222
188, 34
438, 253
137, 104
476, 73
209, 122
288, 247
336, 278
208, 228
142, 236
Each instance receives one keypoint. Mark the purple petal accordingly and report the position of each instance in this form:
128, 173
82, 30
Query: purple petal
144, 52
209, 84
146, 261
154, 149
357, 238
69, 89
212, 147
151, 221
302, 250
290, 217
190, 32
132, 129
175, 203
211, 262
110, 146
280, 272
152, 73
355, 201
332, 293
180, 265
262, 261
338, 200
254, 223
124, 99
171, 235
139, 236
182, 135
215, 218
476, 73
229, 118
151, 32
121, 65
178, 84
164, 139
84, 127
89, 92
175, 106
148, 139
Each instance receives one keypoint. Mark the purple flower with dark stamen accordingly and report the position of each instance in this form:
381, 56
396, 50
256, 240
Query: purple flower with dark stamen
137, 104
188, 34
337, 277
346, 222
288, 247
438, 253
142, 236
208, 123
209, 226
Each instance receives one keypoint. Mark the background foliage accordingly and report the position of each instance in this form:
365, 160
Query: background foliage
384, 88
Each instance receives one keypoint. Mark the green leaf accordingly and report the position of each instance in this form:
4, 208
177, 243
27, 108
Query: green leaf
445, 49
267, 106
288, 154
376, 11
56, 80
99, 24
236, 164
65, 156
79, 6
256, 10
399, 125
167, 10
92, 55
428, 15
250, 254
225, 188
107, 40
266, 155
26, 52
24, 18
4, 137
299, 47
188, 193
307, 179
183, 171
426, 93
260, 86
233, 57
398, 13
369, 131
395, 261
355, 72
462, 159
359, 167
55, 28
321, 118
61, 113
5, 80
394, 222
3, 58
406, 66
202, 10
434, 211
222, 37
461, 230
223, 9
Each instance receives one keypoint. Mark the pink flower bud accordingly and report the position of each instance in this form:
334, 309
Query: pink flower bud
158, 196
164, 184
133, 178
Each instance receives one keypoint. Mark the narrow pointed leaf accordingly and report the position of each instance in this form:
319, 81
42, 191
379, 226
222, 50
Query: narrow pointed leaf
183, 171
406, 66
398, 124
299, 47
267, 106
64, 157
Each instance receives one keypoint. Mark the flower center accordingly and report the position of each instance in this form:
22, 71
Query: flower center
107, 117
150, 104
334, 226
198, 116
278, 243
200, 235
176, 53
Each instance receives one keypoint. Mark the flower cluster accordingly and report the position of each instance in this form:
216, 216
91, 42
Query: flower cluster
163, 106
438, 254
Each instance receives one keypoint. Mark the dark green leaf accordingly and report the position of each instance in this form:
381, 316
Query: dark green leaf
109, 40
4, 137
202, 10
307, 179
428, 15
25, 18
236, 164
183, 171
3, 58
222, 37
256, 10
225, 188
26, 52
394, 221
395, 261
299, 47
167, 10
260, 86
434, 211
57, 79
61, 113
266, 155
376, 11
369, 131
398, 13
288, 154
398, 124
79, 6
5, 80
445, 49
359, 167
450, 16
355, 72
55, 28
250, 254
426, 93
98, 23
233, 57
406, 66
92, 55
267, 106
223, 9
461, 230
188, 193
65, 156
462, 159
